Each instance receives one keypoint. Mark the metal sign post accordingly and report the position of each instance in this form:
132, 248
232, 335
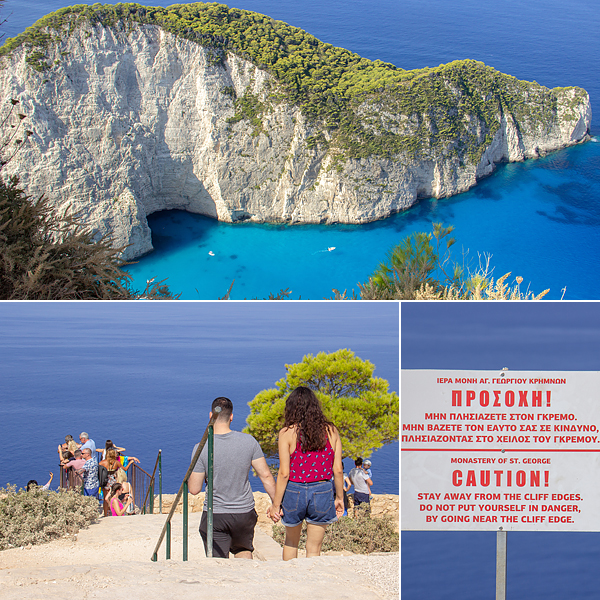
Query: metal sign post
501, 565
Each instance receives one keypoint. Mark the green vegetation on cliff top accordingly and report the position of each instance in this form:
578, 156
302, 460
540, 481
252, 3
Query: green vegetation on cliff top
364, 107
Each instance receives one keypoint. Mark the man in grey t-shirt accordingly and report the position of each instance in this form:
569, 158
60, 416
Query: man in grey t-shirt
234, 517
362, 486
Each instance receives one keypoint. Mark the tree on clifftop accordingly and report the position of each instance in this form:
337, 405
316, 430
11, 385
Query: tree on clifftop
358, 404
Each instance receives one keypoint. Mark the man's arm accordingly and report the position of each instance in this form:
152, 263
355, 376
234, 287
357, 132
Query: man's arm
195, 482
262, 470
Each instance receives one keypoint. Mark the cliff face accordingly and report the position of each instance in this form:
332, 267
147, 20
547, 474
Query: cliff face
132, 120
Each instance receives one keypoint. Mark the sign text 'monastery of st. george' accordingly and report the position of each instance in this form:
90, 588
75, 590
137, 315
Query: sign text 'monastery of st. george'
492, 450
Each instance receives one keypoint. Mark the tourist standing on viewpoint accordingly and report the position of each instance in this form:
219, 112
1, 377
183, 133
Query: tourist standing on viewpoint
234, 517
310, 454
362, 486
84, 438
76, 463
89, 472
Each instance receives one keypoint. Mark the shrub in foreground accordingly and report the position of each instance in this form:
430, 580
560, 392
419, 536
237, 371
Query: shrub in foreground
360, 536
45, 256
40, 516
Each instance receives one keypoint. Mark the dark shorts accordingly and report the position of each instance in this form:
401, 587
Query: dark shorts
232, 532
311, 502
361, 498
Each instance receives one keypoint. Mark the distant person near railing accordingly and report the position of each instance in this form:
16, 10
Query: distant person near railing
310, 455
362, 486
113, 467
86, 442
233, 509
76, 462
69, 478
69, 447
89, 472
108, 446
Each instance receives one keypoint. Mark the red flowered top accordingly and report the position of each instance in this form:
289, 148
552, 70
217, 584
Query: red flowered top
311, 466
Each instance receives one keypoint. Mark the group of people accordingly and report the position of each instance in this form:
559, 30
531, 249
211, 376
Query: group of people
310, 482
106, 477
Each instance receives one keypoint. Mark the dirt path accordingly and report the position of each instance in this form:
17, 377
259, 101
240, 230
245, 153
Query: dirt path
113, 555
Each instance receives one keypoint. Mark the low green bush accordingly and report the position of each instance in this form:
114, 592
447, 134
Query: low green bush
40, 516
362, 535
46, 256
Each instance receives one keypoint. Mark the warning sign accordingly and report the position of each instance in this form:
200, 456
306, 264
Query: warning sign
486, 450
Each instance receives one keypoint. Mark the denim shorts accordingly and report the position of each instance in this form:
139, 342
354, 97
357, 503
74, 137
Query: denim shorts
311, 502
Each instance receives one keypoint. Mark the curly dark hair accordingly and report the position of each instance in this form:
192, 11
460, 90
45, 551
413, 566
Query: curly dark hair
302, 408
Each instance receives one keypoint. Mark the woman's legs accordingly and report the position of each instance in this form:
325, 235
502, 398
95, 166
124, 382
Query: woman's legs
292, 539
105, 506
314, 539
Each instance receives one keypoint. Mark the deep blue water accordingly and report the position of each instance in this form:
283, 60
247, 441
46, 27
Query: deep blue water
144, 374
537, 219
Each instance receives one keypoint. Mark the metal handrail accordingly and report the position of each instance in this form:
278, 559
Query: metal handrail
150, 491
141, 483
70, 480
183, 490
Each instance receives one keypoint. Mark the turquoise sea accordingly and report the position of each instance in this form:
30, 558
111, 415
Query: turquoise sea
537, 219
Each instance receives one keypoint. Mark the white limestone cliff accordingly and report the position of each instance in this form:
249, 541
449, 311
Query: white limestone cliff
131, 121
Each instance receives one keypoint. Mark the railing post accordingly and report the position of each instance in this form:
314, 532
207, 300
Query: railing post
185, 520
501, 565
151, 499
160, 481
168, 540
209, 492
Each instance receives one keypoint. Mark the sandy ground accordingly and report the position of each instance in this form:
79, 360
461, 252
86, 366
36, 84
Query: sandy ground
114, 555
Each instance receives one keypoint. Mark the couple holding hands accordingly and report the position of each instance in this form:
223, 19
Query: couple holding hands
310, 457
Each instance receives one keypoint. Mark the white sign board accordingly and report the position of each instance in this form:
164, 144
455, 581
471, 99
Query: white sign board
489, 450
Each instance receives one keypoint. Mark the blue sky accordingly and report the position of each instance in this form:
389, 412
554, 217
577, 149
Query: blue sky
491, 335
